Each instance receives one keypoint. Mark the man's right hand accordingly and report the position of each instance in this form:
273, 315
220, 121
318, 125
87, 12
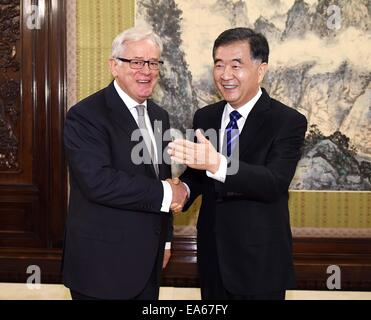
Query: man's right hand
180, 195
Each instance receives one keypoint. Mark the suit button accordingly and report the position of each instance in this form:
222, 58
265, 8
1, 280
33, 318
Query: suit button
157, 232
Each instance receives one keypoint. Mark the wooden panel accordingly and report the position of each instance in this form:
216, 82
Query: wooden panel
311, 258
182, 268
10, 112
33, 180
14, 264
314, 256
20, 199
19, 221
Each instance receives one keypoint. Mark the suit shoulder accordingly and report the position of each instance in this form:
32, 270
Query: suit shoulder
286, 111
205, 111
157, 108
159, 113
92, 104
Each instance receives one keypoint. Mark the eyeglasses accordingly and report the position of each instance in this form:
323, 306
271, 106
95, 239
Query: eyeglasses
139, 64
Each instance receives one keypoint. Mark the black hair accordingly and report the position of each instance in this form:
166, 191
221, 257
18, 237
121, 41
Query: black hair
259, 47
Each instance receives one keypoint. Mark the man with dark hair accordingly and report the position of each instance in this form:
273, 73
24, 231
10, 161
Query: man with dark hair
244, 239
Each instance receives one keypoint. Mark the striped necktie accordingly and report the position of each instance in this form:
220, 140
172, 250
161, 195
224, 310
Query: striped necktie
146, 137
232, 132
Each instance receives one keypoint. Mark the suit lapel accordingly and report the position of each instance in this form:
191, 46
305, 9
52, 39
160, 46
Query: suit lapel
213, 121
123, 117
120, 113
254, 121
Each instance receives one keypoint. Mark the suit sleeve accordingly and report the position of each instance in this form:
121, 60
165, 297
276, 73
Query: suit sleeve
269, 181
87, 146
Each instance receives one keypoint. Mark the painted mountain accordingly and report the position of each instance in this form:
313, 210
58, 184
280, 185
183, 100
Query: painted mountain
319, 64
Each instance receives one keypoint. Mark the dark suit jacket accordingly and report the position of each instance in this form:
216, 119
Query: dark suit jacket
250, 226
115, 230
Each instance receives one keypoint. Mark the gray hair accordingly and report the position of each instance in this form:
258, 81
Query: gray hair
134, 34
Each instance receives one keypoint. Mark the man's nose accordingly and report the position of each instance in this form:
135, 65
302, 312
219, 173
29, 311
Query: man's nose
227, 73
146, 68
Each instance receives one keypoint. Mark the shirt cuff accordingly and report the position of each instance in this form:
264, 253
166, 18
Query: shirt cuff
168, 196
167, 245
221, 173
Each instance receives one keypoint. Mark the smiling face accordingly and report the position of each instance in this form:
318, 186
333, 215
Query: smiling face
236, 75
137, 83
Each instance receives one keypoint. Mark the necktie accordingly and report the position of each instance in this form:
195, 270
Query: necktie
146, 137
232, 132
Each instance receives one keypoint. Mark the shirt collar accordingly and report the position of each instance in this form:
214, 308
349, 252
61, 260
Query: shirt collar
247, 107
129, 101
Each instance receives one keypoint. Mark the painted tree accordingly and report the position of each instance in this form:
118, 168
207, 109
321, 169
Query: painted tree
175, 92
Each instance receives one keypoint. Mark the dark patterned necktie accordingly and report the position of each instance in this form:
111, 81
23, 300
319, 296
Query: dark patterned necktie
146, 137
232, 132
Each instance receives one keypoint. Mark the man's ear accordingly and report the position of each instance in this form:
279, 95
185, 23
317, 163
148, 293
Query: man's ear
113, 64
263, 68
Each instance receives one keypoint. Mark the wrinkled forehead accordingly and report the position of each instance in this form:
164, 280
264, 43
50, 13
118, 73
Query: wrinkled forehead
141, 48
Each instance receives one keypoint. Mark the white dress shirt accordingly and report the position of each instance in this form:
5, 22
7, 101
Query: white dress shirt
244, 111
131, 104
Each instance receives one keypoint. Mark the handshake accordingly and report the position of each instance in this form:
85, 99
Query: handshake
180, 195
200, 156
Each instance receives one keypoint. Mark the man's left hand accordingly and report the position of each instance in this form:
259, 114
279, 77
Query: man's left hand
200, 156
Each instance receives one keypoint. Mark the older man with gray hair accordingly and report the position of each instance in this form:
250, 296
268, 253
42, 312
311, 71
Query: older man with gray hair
119, 220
